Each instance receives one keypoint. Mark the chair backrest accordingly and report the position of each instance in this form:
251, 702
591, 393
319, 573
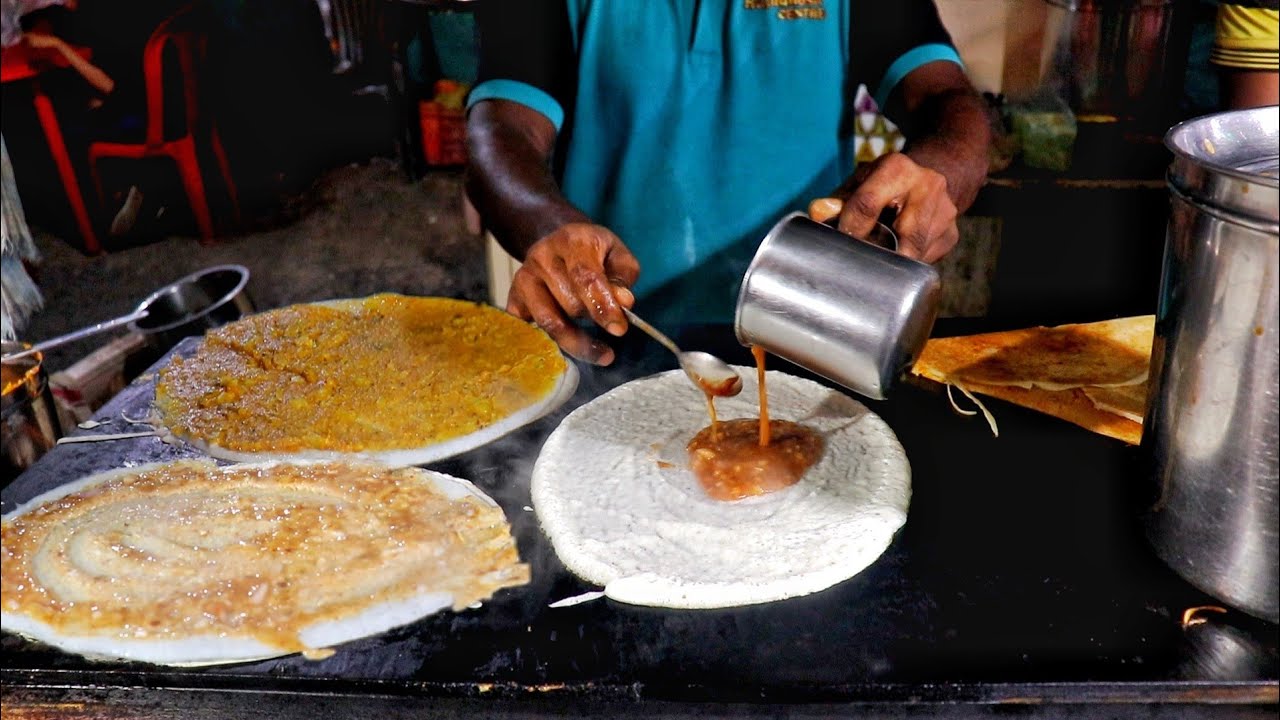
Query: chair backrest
177, 37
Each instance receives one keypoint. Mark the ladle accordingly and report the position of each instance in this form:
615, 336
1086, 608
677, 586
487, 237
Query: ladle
711, 374
84, 332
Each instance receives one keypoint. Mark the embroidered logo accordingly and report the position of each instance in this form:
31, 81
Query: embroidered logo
790, 9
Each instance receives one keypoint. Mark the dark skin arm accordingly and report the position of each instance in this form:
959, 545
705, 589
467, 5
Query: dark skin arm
572, 266
935, 177
1242, 89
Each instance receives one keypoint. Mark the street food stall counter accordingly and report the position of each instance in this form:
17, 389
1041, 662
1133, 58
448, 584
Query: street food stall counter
1020, 583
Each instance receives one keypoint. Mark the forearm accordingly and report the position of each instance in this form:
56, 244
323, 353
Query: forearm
1243, 89
92, 74
950, 133
509, 178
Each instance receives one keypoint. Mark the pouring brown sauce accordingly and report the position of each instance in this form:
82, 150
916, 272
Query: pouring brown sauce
715, 390
742, 458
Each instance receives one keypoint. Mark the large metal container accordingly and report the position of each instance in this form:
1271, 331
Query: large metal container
850, 310
1122, 59
28, 418
1211, 425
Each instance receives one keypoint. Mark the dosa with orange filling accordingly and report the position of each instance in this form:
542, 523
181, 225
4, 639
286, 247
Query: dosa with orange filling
1090, 374
736, 459
147, 560
383, 373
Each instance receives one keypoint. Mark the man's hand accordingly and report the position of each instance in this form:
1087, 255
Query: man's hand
935, 177
579, 270
926, 216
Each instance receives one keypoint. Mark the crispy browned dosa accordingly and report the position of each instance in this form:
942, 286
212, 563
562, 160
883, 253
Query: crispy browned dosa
1128, 401
1091, 374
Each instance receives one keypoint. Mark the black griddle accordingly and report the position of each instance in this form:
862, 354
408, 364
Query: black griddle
1021, 578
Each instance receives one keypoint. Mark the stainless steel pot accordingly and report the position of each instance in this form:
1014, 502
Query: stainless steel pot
189, 306
28, 418
850, 310
1211, 425
1120, 58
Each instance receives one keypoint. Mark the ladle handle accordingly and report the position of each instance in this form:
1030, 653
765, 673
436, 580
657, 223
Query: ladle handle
652, 331
76, 335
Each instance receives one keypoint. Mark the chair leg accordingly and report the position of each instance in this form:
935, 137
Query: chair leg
224, 167
66, 172
184, 154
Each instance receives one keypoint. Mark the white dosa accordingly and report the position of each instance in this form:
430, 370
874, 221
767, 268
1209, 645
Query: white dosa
214, 649
614, 494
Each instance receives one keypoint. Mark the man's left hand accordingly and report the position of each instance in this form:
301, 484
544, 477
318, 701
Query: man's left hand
926, 215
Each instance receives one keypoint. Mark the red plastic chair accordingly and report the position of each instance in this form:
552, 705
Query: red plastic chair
188, 44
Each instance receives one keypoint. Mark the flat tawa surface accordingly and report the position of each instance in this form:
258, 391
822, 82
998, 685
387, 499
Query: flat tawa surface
1021, 576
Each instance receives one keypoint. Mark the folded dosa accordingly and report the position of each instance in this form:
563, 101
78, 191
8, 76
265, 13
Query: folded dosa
1090, 374
1128, 401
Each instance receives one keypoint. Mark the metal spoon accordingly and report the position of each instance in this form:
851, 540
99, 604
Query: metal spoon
85, 332
711, 374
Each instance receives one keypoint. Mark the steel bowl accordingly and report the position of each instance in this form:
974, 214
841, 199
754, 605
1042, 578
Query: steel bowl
201, 301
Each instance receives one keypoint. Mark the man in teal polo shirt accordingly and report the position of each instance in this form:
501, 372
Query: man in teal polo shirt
637, 151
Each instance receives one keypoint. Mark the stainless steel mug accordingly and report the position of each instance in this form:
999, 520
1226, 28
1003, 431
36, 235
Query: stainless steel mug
1211, 424
846, 309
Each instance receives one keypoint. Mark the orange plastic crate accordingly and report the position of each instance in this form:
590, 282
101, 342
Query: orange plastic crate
444, 134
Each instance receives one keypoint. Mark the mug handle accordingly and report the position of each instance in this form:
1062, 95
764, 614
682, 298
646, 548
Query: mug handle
882, 234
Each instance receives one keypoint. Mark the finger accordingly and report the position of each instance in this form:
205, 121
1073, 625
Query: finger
884, 187
947, 240
945, 233
547, 313
914, 225
621, 265
823, 209
625, 297
516, 306
554, 274
597, 296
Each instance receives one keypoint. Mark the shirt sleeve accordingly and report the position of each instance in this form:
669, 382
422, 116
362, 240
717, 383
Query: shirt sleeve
526, 55
890, 38
1247, 35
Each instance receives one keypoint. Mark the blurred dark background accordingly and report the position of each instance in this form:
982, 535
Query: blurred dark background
293, 88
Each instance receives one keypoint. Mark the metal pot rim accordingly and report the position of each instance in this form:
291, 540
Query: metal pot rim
1177, 140
241, 270
1220, 214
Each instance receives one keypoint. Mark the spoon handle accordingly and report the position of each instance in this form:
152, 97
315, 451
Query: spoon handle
73, 336
652, 331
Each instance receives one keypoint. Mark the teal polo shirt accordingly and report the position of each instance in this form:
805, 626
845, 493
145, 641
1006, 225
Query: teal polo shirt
688, 127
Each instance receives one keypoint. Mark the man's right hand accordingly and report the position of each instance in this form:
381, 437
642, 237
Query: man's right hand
579, 270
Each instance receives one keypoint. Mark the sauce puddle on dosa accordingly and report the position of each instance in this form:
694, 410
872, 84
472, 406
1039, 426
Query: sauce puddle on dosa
736, 459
